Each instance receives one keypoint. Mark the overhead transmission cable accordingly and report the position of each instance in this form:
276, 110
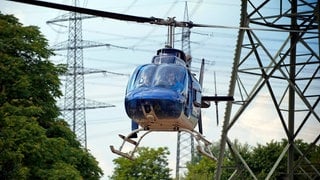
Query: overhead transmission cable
156, 27
130, 6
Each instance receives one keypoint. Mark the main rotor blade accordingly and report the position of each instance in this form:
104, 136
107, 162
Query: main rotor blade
140, 19
111, 15
94, 12
244, 28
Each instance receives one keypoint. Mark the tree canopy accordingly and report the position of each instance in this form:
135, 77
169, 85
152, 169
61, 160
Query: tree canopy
260, 158
149, 164
34, 142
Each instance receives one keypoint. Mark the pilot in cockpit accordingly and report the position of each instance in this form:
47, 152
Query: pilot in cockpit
174, 82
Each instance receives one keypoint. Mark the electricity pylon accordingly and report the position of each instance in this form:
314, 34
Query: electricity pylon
75, 102
277, 60
185, 142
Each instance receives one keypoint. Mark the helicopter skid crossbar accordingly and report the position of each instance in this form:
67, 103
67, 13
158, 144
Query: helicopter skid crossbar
129, 155
126, 155
203, 144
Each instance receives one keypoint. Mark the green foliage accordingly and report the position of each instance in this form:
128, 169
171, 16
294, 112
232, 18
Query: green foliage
150, 164
34, 143
202, 170
264, 156
260, 159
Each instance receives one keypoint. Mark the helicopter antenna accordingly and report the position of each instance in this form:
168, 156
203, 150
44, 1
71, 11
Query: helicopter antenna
215, 94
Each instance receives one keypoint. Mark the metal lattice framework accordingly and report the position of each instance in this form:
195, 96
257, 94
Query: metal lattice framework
74, 85
185, 142
281, 72
75, 103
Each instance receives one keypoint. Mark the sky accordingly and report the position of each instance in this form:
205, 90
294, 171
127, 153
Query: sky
140, 42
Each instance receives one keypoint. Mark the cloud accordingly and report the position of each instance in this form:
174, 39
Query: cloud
259, 123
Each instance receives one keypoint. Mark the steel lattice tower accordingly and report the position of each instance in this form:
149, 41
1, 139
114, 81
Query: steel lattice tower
285, 73
75, 103
185, 142
74, 97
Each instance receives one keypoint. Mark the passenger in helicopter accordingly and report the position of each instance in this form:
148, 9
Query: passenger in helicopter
145, 77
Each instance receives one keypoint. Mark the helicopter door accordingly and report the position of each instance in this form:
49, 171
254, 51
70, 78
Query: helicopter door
189, 105
196, 98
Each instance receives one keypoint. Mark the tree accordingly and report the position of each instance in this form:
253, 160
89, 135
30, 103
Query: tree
149, 164
34, 142
260, 159
202, 170
263, 158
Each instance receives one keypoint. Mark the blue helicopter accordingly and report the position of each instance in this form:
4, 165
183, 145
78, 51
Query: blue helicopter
163, 95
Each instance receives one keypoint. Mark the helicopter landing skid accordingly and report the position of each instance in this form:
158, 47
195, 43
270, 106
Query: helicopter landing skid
203, 144
129, 155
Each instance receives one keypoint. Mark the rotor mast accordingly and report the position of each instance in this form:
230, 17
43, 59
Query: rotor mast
171, 31
170, 41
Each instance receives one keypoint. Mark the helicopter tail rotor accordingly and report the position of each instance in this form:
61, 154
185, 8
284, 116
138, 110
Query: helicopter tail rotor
205, 100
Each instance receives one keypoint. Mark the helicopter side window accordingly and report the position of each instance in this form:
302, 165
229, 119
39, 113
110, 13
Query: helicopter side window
196, 94
197, 100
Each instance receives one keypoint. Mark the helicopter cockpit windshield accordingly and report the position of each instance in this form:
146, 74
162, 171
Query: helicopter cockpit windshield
168, 76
